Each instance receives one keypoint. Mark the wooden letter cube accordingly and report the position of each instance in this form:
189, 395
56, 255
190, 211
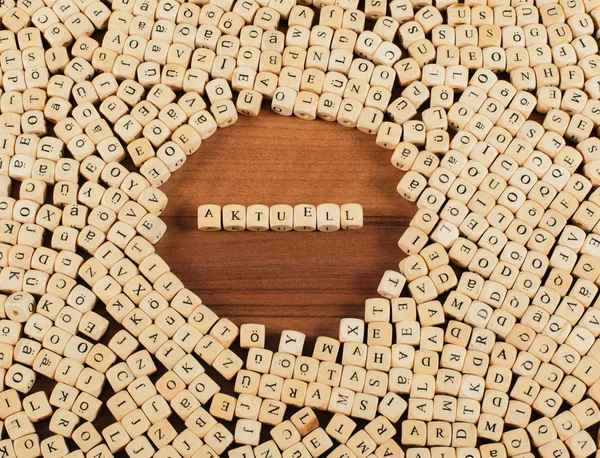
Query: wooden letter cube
234, 217
351, 216
281, 218
257, 218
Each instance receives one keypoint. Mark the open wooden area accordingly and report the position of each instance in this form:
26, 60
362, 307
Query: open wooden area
301, 281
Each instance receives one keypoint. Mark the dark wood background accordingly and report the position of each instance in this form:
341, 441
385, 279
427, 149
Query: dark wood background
293, 280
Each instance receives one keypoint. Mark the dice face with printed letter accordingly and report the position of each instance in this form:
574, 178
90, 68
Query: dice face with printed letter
305, 217
234, 217
351, 216
281, 218
328, 217
209, 217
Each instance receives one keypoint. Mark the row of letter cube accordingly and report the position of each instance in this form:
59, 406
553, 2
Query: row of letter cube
303, 217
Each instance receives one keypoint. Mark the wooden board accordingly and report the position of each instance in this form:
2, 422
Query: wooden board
300, 281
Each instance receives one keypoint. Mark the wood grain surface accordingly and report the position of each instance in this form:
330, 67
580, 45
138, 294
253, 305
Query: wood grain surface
293, 280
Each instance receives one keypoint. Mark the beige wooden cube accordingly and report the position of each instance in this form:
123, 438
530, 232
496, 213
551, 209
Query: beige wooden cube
54, 447
326, 349
87, 406
248, 406
12, 401
225, 331
37, 407
581, 444
156, 408
305, 217
187, 443
249, 102
247, 432
135, 423
566, 425
351, 216
285, 435
271, 412
284, 99
20, 378
257, 218
116, 437
19, 306
392, 406
281, 217
391, 284
252, 335
317, 442
86, 437
234, 217
224, 112
162, 433
140, 446
305, 421
283, 364
294, 392
63, 422
328, 217
317, 396
292, 342
27, 446
247, 382
306, 369
218, 438
228, 364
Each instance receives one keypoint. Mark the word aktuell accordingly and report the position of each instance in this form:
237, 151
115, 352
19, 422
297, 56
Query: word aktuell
281, 218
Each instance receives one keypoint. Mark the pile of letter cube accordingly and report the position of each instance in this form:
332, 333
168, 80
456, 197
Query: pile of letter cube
482, 344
